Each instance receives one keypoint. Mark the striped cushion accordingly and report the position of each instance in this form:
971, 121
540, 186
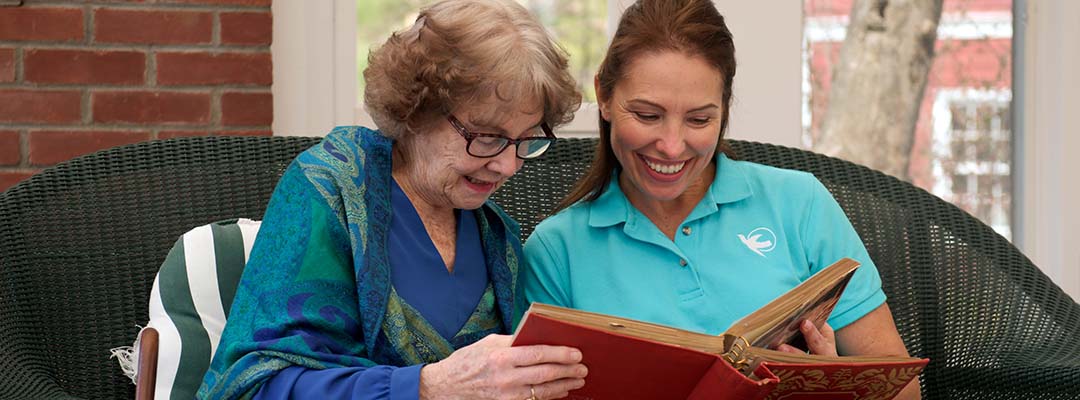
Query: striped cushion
191, 298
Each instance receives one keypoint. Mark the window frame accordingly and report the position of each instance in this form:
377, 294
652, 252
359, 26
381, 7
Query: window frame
314, 89
942, 133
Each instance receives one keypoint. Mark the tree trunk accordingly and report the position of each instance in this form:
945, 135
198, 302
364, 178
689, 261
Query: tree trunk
878, 84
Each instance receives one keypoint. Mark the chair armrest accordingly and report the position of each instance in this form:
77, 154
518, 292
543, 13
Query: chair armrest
148, 359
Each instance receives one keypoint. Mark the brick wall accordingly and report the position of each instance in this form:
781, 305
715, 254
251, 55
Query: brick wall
77, 76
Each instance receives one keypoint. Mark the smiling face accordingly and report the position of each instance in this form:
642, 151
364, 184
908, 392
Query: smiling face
665, 114
438, 174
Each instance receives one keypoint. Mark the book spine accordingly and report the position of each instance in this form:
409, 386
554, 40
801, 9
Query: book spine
723, 382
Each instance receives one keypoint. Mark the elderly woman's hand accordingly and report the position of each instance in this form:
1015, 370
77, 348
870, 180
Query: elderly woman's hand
491, 369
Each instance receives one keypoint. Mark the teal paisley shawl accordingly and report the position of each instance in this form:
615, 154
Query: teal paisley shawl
316, 291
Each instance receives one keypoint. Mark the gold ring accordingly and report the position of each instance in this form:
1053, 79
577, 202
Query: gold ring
532, 393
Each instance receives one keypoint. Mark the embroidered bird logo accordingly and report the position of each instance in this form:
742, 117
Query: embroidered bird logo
761, 240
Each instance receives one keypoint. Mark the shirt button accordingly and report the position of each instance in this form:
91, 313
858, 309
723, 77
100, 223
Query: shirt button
682, 262
686, 230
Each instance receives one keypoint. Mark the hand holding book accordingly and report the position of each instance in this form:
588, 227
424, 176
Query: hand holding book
819, 340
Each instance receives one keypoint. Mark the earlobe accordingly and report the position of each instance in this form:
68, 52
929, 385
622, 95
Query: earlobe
600, 100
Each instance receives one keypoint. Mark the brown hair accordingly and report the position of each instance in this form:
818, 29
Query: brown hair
692, 27
461, 51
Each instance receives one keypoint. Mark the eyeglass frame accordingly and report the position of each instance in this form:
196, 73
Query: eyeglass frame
469, 136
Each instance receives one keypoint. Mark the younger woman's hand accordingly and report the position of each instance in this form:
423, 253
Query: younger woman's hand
820, 341
491, 369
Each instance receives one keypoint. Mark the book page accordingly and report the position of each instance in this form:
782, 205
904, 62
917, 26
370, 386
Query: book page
778, 322
629, 327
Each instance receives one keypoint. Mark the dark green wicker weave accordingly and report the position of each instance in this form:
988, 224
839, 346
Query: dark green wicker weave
80, 244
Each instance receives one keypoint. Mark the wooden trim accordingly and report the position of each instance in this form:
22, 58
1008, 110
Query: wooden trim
148, 359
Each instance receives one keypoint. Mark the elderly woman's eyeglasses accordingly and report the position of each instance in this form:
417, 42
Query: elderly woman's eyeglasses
486, 145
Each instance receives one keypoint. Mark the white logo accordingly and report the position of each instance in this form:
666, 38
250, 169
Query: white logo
760, 240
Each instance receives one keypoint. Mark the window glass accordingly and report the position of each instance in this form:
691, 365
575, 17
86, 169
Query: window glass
578, 25
962, 147
375, 20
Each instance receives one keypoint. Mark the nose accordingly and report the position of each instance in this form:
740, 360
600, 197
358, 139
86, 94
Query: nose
672, 140
506, 163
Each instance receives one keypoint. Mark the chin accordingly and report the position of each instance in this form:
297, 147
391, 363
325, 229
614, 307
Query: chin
470, 204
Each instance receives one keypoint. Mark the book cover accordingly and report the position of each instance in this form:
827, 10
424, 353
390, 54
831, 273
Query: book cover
632, 368
841, 381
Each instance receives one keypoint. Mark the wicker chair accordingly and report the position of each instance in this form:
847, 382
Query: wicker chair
80, 244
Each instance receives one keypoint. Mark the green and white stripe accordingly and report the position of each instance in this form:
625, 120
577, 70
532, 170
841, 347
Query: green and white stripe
190, 301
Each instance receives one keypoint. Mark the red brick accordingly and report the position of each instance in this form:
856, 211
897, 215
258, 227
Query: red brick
214, 69
176, 134
247, 109
263, 3
250, 28
151, 107
7, 65
10, 178
244, 133
10, 151
76, 66
37, 106
153, 27
45, 24
51, 147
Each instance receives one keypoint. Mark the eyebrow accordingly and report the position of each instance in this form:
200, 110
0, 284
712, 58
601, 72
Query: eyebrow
489, 127
649, 103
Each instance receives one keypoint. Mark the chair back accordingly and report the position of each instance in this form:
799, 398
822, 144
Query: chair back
80, 244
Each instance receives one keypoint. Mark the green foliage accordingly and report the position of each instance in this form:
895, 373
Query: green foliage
578, 26
375, 21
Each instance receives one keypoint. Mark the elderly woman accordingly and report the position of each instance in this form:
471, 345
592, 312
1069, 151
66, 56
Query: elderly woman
381, 269
668, 227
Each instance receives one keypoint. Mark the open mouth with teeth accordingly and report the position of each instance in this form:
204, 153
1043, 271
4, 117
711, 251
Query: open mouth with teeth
480, 185
663, 170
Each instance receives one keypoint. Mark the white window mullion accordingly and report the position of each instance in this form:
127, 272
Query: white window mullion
1049, 194
314, 57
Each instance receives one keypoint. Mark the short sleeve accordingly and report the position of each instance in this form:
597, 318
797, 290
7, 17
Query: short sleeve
830, 237
545, 278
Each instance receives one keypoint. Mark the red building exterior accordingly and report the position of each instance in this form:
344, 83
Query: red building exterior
963, 143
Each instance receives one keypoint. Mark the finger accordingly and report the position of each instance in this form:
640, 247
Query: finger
542, 354
787, 348
817, 342
828, 331
557, 389
541, 373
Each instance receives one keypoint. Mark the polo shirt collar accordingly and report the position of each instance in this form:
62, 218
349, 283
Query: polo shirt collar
729, 185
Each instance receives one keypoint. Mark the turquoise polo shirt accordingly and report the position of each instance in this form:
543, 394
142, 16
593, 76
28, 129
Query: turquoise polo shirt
758, 232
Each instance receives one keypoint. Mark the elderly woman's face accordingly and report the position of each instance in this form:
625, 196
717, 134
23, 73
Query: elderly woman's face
443, 174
